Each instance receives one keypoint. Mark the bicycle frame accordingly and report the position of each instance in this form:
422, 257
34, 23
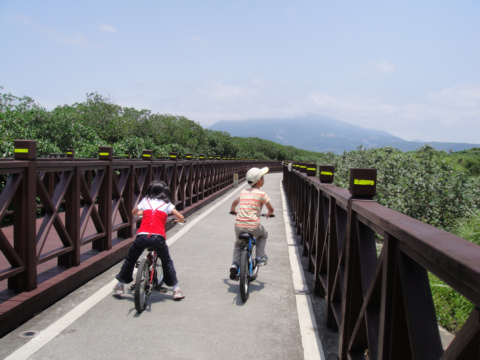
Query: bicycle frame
249, 247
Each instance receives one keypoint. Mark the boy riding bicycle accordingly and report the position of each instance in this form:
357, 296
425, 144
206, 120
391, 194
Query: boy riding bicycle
250, 203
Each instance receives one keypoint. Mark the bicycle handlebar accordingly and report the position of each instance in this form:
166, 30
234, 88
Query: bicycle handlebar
234, 213
174, 218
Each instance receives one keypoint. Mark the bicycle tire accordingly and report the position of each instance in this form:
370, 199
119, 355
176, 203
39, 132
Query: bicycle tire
244, 276
142, 285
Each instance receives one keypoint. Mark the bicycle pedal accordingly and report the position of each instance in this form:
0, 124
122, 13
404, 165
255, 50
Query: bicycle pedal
162, 289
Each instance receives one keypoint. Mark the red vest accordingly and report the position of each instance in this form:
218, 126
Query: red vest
154, 221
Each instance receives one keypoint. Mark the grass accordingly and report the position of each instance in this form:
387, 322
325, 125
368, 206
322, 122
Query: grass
452, 309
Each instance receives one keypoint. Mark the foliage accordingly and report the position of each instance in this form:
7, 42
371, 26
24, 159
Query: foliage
468, 227
452, 309
468, 160
419, 184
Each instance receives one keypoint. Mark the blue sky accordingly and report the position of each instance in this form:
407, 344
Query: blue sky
411, 68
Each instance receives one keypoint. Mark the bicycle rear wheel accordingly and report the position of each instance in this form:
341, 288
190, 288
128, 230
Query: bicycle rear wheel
142, 285
244, 276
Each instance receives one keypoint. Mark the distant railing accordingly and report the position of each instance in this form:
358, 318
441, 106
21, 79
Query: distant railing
380, 304
54, 208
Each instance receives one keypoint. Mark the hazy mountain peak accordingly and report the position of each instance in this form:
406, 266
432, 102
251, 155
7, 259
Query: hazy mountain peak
323, 134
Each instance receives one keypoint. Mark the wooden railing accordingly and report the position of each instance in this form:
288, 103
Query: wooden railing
64, 211
381, 304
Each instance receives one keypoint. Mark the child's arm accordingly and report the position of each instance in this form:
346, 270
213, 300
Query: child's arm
234, 205
270, 209
136, 212
179, 217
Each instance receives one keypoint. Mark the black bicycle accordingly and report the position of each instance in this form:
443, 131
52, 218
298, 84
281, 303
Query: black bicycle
248, 269
149, 278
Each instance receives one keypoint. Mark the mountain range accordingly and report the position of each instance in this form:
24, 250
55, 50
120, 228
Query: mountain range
325, 134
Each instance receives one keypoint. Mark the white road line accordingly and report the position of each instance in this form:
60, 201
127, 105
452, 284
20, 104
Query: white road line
312, 346
52, 331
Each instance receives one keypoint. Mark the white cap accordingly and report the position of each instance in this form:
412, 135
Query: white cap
255, 174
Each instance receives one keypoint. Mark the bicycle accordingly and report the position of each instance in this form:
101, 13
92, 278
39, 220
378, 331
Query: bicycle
149, 278
248, 269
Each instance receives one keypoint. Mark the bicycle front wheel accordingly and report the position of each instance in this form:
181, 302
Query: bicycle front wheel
244, 276
142, 285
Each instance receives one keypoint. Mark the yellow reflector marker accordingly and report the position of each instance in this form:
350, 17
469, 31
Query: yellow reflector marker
311, 169
69, 153
326, 173
147, 155
363, 182
21, 150
104, 154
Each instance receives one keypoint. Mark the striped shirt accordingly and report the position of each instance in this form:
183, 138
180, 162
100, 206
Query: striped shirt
250, 204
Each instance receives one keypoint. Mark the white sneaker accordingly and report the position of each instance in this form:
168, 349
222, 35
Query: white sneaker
178, 294
118, 289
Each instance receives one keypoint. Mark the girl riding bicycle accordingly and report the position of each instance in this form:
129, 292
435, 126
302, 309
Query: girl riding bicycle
250, 203
154, 207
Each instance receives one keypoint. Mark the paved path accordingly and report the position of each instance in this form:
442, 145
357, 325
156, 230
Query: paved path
212, 322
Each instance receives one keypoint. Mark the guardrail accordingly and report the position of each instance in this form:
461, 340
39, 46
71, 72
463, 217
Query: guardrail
72, 216
381, 304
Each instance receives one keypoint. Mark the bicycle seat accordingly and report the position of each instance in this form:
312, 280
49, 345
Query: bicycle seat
245, 236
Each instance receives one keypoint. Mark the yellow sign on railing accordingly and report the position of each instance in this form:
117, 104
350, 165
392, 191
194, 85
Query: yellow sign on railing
363, 182
21, 151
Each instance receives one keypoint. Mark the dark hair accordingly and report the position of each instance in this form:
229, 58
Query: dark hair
158, 190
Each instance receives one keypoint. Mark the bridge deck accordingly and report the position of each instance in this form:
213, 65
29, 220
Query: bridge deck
211, 322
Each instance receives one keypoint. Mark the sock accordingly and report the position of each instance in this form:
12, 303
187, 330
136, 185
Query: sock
175, 287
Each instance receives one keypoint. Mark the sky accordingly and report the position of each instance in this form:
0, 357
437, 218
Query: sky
407, 67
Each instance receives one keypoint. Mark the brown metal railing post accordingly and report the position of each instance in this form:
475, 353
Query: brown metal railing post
72, 220
362, 185
128, 198
24, 218
173, 182
105, 200
352, 286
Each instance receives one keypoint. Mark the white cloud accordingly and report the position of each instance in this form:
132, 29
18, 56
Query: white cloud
197, 40
461, 96
379, 66
259, 83
77, 39
108, 28
384, 66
